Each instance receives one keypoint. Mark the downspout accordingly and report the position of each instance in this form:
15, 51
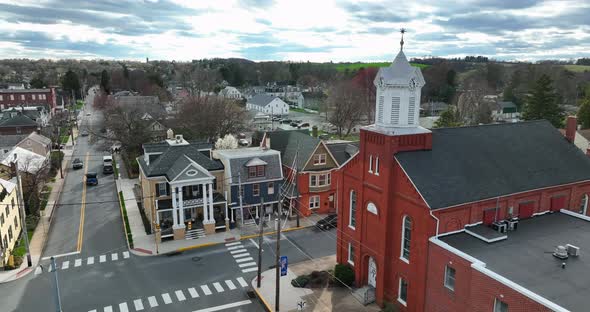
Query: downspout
437, 222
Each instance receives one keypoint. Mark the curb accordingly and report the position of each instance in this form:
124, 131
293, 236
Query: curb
266, 305
241, 238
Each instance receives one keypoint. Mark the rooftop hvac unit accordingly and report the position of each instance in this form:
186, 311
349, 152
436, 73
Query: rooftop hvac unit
572, 250
560, 252
512, 224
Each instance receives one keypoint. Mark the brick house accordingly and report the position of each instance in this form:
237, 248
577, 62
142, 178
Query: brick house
17, 123
10, 220
28, 97
317, 168
422, 212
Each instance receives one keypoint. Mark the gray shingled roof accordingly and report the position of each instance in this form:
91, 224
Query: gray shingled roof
172, 161
261, 99
11, 140
342, 152
469, 164
18, 120
291, 143
273, 167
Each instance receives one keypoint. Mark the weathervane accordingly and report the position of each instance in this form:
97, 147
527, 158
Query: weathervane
402, 31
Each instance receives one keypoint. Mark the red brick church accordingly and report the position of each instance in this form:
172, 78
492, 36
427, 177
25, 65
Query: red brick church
481, 218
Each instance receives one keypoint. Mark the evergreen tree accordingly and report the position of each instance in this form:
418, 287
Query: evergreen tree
542, 103
448, 118
37, 82
105, 81
584, 113
71, 83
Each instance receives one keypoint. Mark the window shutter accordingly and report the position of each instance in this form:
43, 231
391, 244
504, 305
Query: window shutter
157, 189
168, 189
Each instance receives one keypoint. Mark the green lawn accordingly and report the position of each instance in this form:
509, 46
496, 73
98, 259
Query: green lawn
20, 249
45, 196
299, 110
577, 68
64, 139
358, 65
79, 104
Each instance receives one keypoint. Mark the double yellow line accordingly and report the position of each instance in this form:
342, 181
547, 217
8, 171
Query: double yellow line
81, 228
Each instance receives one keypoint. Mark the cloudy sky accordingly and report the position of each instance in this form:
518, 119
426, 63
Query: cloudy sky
298, 30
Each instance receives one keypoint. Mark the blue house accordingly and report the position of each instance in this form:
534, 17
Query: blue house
253, 177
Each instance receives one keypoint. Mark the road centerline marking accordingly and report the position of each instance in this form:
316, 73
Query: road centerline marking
83, 207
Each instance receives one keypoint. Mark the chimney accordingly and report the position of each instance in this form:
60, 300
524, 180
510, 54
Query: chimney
170, 134
570, 128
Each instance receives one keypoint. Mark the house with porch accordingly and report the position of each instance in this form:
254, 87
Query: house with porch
309, 169
10, 220
182, 188
253, 177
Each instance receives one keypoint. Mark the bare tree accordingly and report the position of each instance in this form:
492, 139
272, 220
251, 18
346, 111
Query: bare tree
210, 117
345, 102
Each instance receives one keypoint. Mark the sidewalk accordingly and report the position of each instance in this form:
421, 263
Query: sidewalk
38, 240
145, 244
317, 299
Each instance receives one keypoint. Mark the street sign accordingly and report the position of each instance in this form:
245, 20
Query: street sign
284, 264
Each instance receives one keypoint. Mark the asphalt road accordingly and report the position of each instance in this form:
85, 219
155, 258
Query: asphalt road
104, 276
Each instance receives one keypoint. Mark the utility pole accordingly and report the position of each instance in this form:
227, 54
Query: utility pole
57, 298
258, 281
278, 262
21, 205
240, 195
297, 195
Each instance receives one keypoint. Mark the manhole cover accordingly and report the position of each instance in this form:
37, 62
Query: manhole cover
196, 259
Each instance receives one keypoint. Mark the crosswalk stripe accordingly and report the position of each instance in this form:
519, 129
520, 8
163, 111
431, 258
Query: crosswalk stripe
123, 307
193, 292
242, 255
102, 258
92, 310
138, 304
230, 284
114, 257
38, 270
125, 254
206, 290
65, 265
242, 281
233, 244
237, 251
90, 261
234, 247
249, 270
180, 295
108, 309
153, 302
218, 287
166, 298
78, 263
243, 265
244, 259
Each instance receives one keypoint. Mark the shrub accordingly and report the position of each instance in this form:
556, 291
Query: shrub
344, 274
389, 307
300, 281
126, 220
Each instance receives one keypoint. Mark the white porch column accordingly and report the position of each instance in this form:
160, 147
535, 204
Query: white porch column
180, 206
211, 215
205, 206
174, 206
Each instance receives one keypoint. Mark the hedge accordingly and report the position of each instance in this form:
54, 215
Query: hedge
127, 227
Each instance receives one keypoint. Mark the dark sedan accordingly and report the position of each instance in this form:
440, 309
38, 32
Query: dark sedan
331, 221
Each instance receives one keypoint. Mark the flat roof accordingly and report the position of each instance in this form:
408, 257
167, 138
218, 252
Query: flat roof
526, 257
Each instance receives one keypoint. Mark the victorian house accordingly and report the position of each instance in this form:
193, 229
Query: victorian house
182, 188
253, 178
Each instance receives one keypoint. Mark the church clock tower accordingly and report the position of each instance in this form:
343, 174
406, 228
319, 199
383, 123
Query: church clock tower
397, 107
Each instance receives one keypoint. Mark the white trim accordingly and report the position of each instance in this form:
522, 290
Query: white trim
372, 208
541, 213
403, 236
450, 233
377, 165
350, 209
486, 239
404, 259
370, 163
575, 214
481, 267
349, 258
349, 159
451, 288
326, 173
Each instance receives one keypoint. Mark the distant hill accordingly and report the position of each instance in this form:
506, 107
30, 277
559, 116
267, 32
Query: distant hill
358, 65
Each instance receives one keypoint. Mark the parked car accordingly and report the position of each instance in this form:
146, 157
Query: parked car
331, 221
91, 178
107, 164
303, 125
77, 164
294, 123
84, 133
243, 142
286, 121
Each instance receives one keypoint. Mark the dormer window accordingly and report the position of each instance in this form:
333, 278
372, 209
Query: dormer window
256, 171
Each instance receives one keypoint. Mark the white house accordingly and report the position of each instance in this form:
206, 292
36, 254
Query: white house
268, 104
230, 93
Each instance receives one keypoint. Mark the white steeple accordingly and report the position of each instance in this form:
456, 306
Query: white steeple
399, 88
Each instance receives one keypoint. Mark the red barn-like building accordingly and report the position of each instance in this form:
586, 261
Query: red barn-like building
462, 219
